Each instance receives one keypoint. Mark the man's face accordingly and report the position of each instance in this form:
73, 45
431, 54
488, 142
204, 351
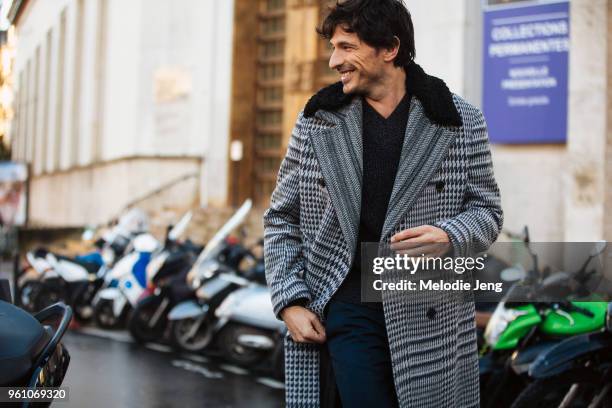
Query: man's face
360, 65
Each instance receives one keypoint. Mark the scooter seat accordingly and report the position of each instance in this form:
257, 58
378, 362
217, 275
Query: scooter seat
22, 339
91, 267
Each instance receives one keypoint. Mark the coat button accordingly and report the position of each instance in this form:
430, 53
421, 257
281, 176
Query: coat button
440, 186
431, 313
321, 182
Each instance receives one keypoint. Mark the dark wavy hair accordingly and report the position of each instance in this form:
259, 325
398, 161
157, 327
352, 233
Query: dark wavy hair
376, 22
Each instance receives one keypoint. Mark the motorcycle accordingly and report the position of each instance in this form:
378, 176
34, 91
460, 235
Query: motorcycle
166, 275
124, 284
249, 332
148, 321
233, 312
32, 354
577, 372
192, 320
71, 280
131, 278
520, 331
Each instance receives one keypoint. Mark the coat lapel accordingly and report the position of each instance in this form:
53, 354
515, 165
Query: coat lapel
432, 125
339, 148
425, 145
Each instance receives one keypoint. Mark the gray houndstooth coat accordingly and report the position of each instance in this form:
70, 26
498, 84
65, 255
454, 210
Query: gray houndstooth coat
312, 224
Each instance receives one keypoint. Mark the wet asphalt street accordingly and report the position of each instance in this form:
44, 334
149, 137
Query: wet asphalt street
114, 372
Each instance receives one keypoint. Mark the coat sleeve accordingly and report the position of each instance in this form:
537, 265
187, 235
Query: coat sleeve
480, 222
283, 256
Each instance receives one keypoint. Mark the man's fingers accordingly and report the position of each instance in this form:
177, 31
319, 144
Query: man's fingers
313, 332
309, 336
308, 329
318, 327
314, 337
407, 233
428, 250
411, 243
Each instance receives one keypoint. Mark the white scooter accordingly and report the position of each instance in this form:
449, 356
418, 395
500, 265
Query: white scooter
249, 332
124, 283
190, 325
127, 281
231, 309
52, 277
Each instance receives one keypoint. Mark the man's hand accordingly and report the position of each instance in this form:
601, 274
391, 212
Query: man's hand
304, 326
425, 239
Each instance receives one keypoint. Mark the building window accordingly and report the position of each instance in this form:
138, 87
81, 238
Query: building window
269, 107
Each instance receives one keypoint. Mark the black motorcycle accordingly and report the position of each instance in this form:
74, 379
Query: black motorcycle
31, 352
577, 372
148, 320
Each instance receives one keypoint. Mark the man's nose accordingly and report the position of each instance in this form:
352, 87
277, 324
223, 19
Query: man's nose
335, 60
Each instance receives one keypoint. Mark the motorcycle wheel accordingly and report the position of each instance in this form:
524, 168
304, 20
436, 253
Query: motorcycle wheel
237, 353
550, 392
179, 335
138, 323
105, 317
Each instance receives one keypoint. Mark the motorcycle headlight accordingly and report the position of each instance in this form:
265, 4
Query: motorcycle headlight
501, 318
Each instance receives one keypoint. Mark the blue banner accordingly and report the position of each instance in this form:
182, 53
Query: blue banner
525, 72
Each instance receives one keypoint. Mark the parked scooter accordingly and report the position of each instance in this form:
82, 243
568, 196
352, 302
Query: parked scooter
518, 332
233, 311
124, 284
60, 279
148, 321
129, 279
575, 373
32, 354
192, 321
50, 277
249, 332
166, 287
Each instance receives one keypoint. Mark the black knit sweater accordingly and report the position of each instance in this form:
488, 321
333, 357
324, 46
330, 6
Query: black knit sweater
382, 145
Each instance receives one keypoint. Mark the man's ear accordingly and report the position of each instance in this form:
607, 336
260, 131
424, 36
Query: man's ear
391, 53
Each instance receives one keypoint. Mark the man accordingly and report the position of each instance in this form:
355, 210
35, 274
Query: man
388, 155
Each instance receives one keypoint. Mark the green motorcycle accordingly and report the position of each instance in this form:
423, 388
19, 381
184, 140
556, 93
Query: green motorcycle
520, 331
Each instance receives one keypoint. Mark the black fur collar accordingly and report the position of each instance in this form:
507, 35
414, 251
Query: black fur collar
433, 93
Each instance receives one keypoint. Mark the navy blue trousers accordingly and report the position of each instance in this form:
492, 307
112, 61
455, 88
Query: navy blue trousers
360, 357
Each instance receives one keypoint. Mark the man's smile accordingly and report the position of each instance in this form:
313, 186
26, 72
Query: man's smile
346, 75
